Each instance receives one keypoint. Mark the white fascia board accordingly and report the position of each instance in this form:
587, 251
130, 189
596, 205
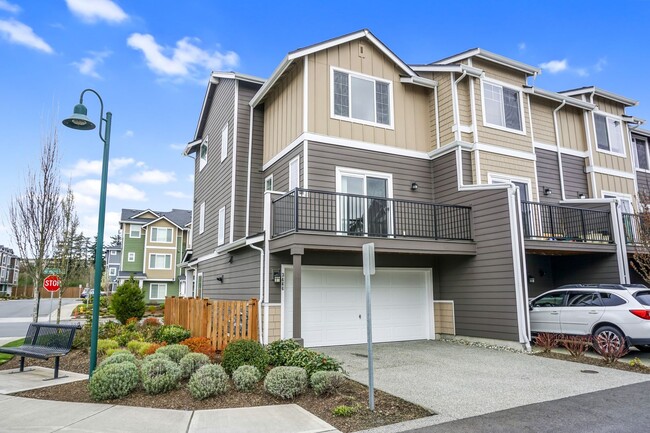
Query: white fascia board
143, 212
255, 239
559, 98
447, 148
241, 242
470, 70
603, 93
191, 145
419, 81
640, 131
162, 218
634, 119
493, 57
240, 77
270, 82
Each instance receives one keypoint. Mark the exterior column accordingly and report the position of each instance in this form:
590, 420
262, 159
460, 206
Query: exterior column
297, 253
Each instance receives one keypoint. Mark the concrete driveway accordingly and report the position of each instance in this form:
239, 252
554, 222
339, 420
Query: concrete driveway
458, 381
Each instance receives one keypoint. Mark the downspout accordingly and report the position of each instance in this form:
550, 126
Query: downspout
592, 143
259, 304
435, 100
477, 156
559, 151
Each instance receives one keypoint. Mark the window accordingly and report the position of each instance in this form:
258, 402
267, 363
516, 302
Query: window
268, 183
643, 297
202, 218
611, 300
221, 229
641, 146
112, 271
361, 98
113, 252
502, 106
135, 231
224, 142
157, 291
199, 285
555, 299
159, 234
160, 261
294, 173
203, 153
625, 200
131, 257
364, 209
583, 299
609, 134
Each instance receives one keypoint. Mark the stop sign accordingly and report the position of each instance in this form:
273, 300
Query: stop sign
51, 283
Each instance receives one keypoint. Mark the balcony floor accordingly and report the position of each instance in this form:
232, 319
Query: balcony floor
567, 247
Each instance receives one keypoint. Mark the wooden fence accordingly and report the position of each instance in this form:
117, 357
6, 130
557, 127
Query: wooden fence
220, 321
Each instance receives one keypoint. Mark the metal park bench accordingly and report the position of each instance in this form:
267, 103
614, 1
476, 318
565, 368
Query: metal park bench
44, 341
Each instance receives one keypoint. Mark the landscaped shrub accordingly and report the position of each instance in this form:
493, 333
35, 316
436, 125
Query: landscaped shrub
192, 362
124, 337
246, 377
280, 351
159, 375
326, 382
576, 345
152, 348
109, 329
151, 321
611, 354
286, 382
138, 347
175, 351
207, 381
111, 352
156, 356
172, 334
547, 341
344, 410
118, 358
244, 352
128, 301
199, 345
313, 361
82, 338
104, 345
113, 381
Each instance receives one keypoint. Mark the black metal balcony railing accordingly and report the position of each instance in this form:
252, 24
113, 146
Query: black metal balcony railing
563, 223
633, 229
358, 215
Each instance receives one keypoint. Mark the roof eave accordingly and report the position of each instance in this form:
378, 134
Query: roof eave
558, 97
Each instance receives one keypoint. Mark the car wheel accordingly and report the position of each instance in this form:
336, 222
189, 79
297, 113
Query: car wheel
643, 347
608, 339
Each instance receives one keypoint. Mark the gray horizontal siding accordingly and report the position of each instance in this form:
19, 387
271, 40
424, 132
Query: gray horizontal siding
643, 180
280, 170
467, 168
445, 178
256, 213
575, 178
548, 176
587, 269
241, 278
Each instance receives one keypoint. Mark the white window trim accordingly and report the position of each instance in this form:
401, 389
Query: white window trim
617, 118
202, 218
505, 178
113, 252
112, 271
224, 143
619, 195
159, 254
139, 231
198, 285
159, 285
162, 228
521, 106
130, 257
268, 178
391, 125
221, 226
636, 154
297, 181
204, 161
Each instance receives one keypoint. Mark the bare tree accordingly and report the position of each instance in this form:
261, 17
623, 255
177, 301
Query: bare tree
637, 229
35, 214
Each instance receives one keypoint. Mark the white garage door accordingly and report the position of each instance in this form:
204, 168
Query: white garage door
334, 305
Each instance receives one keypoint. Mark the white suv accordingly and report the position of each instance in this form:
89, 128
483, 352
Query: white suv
613, 314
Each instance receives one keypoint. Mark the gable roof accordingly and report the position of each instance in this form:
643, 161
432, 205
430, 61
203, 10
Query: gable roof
493, 57
301, 52
179, 217
602, 93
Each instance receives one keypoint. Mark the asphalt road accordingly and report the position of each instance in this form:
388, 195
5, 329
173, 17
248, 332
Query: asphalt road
623, 410
16, 315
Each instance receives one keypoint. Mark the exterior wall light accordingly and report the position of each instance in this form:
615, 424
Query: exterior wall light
582, 195
548, 191
414, 186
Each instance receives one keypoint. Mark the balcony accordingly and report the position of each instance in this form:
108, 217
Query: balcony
544, 222
633, 229
352, 218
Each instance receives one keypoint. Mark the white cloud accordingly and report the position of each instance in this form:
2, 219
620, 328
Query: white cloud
21, 34
88, 225
185, 60
9, 7
92, 11
190, 177
555, 66
84, 167
141, 164
521, 46
154, 176
88, 65
600, 64
129, 133
177, 194
89, 189
177, 146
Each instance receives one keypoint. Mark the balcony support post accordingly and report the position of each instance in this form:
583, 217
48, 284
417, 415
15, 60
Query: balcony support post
297, 253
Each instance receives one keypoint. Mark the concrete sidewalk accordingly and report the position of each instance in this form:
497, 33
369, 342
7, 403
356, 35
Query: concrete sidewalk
44, 416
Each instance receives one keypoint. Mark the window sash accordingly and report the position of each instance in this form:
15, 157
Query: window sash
268, 183
160, 261
221, 229
157, 291
361, 98
502, 106
160, 234
614, 130
131, 257
294, 174
202, 218
203, 154
134, 231
641, 146
602, 138
112, 272
224, 143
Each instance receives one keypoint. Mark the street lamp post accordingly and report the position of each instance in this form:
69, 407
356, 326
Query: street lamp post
80, 120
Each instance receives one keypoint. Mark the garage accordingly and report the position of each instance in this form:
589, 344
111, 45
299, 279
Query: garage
334, 306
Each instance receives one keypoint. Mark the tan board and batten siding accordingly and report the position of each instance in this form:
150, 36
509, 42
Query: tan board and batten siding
445, 106
410, 103
161, 248
510, 166
542, 114
572, 129
609, 183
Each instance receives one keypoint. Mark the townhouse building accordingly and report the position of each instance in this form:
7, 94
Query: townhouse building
9, 270
153, 245
478, 189
113, 263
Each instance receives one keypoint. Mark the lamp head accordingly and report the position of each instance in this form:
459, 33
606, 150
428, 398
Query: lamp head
79, 119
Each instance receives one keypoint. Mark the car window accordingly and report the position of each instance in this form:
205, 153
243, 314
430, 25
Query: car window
583, 299
555, 299
643, 297
611, 300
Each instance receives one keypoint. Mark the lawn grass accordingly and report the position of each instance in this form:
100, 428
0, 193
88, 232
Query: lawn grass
4, 357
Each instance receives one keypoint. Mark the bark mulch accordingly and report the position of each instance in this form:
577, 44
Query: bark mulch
388, 408
598, 362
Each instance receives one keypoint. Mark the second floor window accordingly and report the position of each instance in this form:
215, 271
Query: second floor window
361, 98
224, 143
112, 271
202, 218
641, 145
135, 231
161, 234
160, 261
221, 226
609, 134
502, 106
294, 173
203, 154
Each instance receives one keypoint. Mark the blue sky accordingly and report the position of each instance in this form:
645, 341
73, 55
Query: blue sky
150, 61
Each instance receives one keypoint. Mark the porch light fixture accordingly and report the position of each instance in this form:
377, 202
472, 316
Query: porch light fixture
414, 186
277, 278
220, 279
582, 195
548, 191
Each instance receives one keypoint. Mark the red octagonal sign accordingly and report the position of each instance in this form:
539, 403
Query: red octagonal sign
51, 283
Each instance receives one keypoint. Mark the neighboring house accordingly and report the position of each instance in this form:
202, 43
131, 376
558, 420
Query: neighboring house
477, 189
153, 245
9, 265
113, 263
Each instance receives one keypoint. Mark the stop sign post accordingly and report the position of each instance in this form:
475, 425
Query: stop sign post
51, 283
